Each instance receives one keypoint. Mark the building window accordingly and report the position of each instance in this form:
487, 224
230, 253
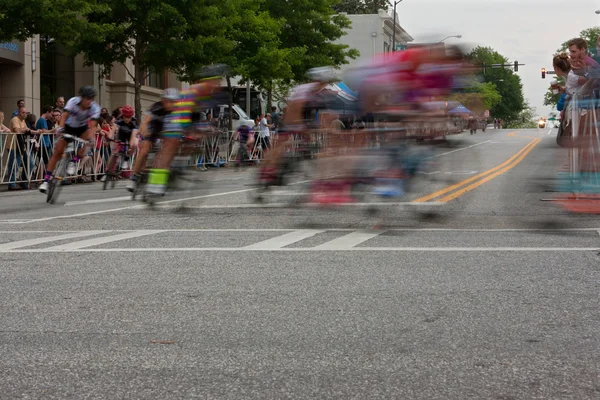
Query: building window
386, 47
156, 80
57, 71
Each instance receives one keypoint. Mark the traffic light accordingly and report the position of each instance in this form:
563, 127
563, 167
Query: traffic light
543, 73
516, 66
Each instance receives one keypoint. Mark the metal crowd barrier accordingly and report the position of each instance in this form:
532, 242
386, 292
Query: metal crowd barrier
23, 159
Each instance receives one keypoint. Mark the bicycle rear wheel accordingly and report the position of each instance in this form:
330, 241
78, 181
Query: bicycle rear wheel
55, 184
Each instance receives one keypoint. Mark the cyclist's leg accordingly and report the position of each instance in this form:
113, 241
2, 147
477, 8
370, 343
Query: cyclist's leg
142, 156
175, 125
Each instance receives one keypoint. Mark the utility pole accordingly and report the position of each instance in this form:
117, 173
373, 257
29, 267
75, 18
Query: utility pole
394, 33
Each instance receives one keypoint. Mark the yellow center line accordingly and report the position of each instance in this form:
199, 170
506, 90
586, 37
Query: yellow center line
462, 191
473, 178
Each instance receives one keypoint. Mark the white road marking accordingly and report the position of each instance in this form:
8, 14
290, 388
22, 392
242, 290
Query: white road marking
97, 201
101, 240
328, 230
463, 148
284, 240
550, 131
301, 249
349, 241
461, 172
45, 239
139, 206
312, 205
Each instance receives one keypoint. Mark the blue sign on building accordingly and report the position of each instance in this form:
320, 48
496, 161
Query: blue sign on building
10, 47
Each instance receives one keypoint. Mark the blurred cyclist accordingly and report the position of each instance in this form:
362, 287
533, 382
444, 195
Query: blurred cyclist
196, 98
151, 127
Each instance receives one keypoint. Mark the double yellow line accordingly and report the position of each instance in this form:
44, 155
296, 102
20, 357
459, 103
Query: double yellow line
473, 182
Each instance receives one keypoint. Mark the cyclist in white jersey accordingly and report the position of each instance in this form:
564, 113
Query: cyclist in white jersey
80, 119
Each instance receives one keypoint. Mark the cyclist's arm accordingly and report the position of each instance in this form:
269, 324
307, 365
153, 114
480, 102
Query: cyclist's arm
63, 119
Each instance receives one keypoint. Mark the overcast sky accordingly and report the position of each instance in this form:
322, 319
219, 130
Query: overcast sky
528, 31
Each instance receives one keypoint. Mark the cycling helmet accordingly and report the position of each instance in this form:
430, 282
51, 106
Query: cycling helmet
127, 111
170, 94
87, 92
323, 74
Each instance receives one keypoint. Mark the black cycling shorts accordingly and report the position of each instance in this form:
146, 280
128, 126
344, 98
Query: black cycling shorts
77, 132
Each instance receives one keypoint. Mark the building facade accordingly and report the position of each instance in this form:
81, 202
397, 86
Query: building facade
40, 70
372, 34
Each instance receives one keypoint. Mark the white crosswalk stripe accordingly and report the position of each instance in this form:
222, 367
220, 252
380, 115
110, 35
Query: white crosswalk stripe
298, 240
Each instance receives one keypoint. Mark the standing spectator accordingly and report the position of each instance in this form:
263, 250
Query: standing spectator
16, 142
31, 147
3, 129
46, 128
276, 117
20, 104
580, 60
264, 135
60, 104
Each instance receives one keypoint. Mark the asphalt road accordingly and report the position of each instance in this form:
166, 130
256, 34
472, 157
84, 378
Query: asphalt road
480, 291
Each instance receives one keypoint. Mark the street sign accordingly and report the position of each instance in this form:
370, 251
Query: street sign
487, 113
400, 47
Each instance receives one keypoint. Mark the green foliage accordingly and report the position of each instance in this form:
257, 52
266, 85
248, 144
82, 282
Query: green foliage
361, 6
507, 83
479, 97
526, 119
156, 35
60, 19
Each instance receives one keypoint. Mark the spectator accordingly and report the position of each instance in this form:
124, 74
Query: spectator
20, 104
3, 128
264, 135
60, 104
45, 126
16, 142
104, 111
562, 67
31, 148
276, 117
581, 62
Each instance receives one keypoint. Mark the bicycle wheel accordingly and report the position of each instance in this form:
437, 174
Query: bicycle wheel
55, 184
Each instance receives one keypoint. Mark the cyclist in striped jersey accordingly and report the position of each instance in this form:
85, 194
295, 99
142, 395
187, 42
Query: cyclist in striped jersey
197, 97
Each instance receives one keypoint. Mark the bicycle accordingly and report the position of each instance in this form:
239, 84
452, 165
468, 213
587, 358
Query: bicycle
60, 173
114, 168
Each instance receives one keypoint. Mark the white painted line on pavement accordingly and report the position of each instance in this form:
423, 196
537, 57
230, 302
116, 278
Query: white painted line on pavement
302, 249
46, 239
133, 207
97, 201
330, 230
311, 205
463, 148
284, 240
349, 241
550, 131
102, 240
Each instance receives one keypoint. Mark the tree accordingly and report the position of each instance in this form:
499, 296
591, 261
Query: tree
310, 30
361, 6
62, 20
479, 97
157, 35
508, 84
591, 37
526, 119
